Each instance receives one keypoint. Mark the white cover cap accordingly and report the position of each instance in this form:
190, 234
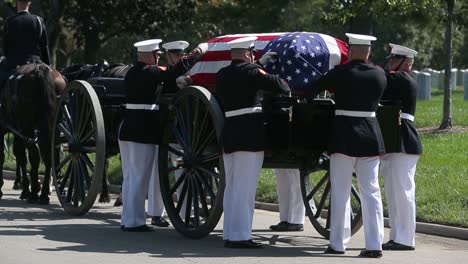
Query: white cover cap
357, 39
242, 43
402, 51
147, 45
176, 46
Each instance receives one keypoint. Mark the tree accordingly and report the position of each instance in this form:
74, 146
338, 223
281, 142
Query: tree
447, 114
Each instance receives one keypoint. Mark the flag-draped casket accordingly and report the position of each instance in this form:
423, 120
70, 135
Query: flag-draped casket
302, 57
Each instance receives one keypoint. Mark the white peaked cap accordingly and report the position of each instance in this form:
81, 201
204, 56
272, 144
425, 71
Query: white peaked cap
176, 46
148, 45
402, 50
357, 39
242, 43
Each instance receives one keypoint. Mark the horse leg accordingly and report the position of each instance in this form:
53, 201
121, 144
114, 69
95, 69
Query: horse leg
34, 160
19, 151
2, 160
105, 197
46, 158
17, 183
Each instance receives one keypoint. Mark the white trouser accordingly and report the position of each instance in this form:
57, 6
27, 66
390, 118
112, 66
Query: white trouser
341, 170
242, 170
398, 171
137, 165
155, 202
288, 186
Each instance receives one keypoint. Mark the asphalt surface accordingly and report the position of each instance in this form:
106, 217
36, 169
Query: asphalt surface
45, 234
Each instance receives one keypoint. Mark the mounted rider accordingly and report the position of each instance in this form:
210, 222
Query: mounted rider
24, 38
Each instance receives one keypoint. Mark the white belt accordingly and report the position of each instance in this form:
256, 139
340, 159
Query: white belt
407, 116
151, 107
244, 111
354, 113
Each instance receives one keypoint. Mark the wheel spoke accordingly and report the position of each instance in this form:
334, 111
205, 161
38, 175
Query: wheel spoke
323, 200
76, 185
195, 122
317, 187
201, 192
72, 182
84, 121
87, 161
356, 194
196, 211
179, 139
327, 225
88, 135
211, 173
205, 182
178, 183
210, 157
175, 151
205, 142
181, 198
68, 118
88, 149
188, 207
85, 172
63, 162
81, 175
65, 177
65, 132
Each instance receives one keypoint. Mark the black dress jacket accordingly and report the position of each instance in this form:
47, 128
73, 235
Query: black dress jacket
141, 82
25, 39
402, 88
358, 86
240, 86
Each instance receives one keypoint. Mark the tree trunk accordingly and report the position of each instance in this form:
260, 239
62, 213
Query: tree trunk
447, 115
54, 28
92, 46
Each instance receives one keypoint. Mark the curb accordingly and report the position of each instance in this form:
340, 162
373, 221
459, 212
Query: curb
424, 228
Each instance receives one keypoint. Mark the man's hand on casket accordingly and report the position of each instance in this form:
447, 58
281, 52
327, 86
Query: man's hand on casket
183, 81
267, 57
202, 48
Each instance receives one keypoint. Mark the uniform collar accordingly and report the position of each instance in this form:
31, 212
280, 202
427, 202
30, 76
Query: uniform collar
23, 12
237, 61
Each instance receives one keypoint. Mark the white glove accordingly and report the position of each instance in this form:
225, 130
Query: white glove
203, 48
268, 56
183, 81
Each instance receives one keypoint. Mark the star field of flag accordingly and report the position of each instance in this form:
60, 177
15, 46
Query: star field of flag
302, 58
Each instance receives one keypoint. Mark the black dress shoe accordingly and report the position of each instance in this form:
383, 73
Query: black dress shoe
142, 228
285, 227
330, 250
371, 253
159, 221
242, 244
392, 245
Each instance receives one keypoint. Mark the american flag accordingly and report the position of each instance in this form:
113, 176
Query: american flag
303, 57
218, 56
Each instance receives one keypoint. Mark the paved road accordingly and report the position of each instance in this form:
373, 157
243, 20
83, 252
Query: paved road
45, 234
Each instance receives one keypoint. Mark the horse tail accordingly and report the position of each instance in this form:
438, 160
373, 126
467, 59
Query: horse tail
48, 95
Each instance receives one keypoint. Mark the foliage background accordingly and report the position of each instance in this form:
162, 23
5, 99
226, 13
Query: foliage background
84, 31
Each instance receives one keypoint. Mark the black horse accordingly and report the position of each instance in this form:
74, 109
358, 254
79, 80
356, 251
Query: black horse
28, 106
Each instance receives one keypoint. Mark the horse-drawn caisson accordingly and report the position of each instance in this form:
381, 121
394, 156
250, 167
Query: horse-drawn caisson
88, 114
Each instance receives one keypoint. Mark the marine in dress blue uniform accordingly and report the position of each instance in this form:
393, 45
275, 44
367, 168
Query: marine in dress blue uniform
398, 168
239, 88
176, 58
24, 38
141, 131
356, 144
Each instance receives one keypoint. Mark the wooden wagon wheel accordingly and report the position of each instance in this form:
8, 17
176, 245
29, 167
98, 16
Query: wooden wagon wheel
195, 128
315, 188
78, 147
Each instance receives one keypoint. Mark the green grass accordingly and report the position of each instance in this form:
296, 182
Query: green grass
442, 186
429, 112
